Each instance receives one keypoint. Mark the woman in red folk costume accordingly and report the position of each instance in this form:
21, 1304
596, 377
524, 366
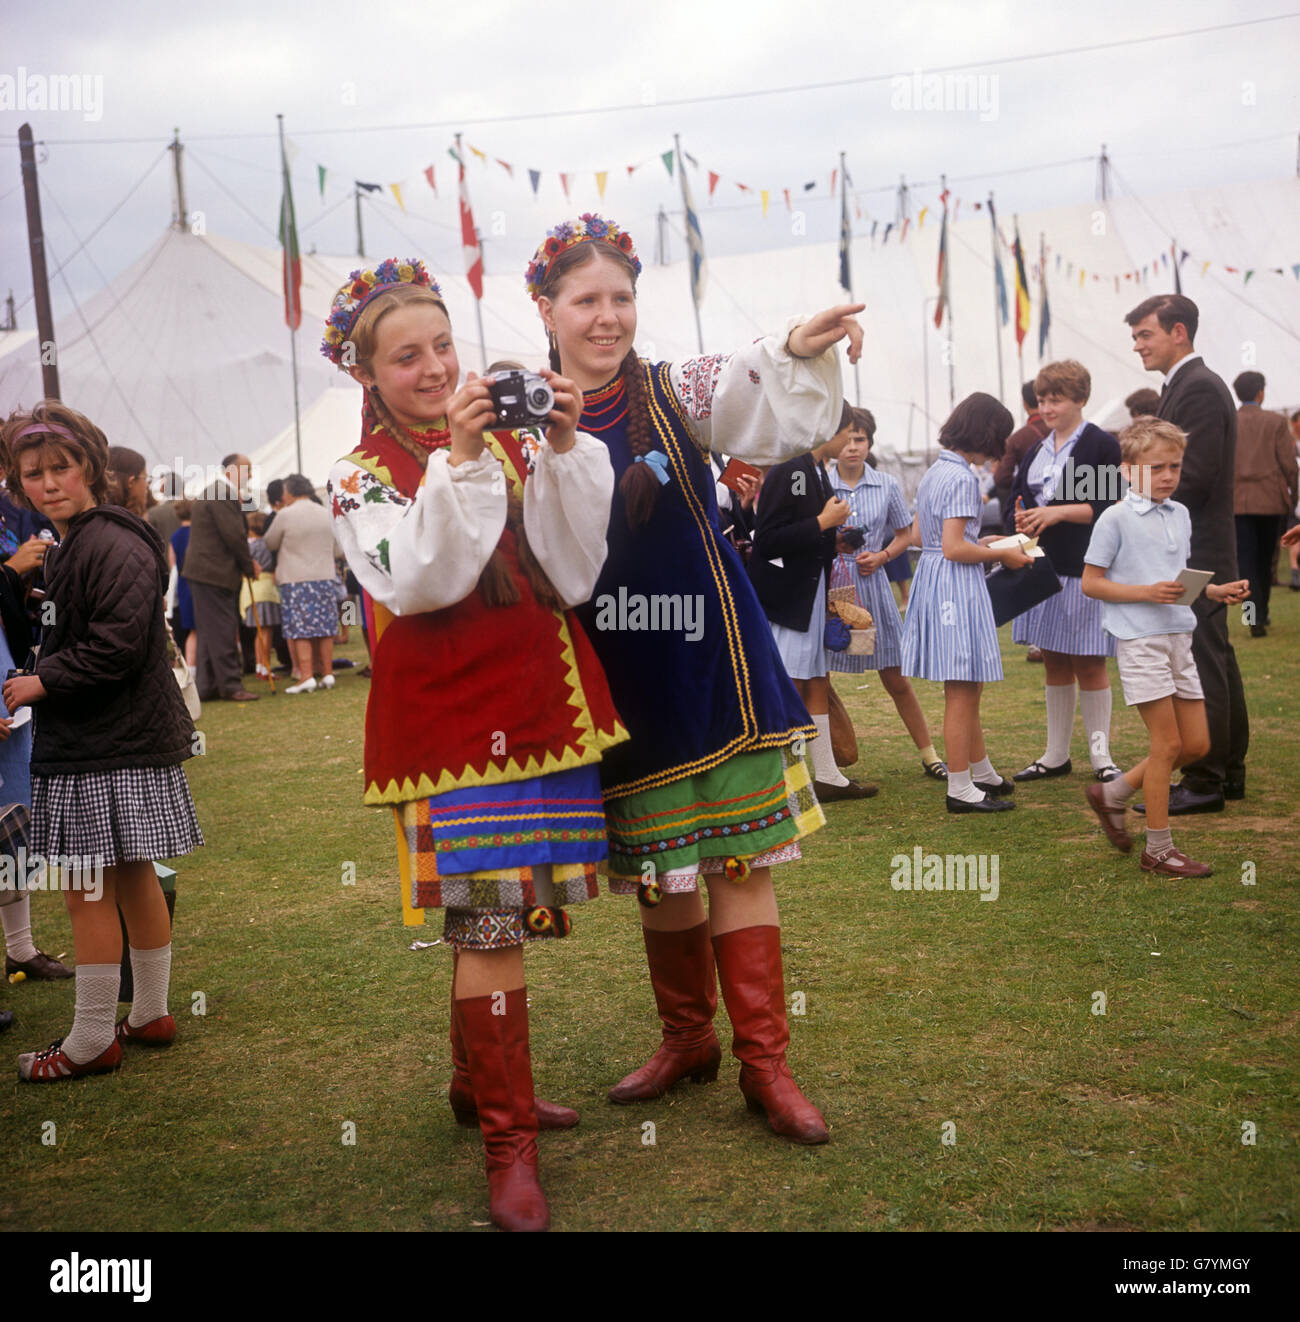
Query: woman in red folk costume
488, 711
708, 784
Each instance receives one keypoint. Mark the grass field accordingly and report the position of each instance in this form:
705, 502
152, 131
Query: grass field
924, 1010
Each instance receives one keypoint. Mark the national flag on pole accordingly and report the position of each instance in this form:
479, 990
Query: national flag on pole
999, 278
846, 233
469, 240
292, 260
1022, 294
694, 239
942, 274
1178, 280
1044, 319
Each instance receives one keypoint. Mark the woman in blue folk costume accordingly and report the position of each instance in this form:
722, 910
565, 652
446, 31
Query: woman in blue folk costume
880, 511
707, 784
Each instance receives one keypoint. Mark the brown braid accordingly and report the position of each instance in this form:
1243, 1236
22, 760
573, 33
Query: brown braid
639, 485
496, 583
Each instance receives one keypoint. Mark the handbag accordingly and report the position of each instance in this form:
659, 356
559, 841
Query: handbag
844, 738
1014, 591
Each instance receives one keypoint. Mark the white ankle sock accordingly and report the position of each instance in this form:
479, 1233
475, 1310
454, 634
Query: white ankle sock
961, 787
16, 918
824, 768
983, 771
1094, 707
1060, 723
92, 1023
151, 973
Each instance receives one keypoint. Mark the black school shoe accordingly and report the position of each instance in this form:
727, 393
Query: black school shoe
986, 804
1037, 771
997, 788
1183, 802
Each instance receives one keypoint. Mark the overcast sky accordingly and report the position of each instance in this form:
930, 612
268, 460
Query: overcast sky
1191, 110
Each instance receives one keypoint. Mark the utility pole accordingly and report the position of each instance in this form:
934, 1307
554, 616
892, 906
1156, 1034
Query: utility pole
361, 246
182, 216
40, 278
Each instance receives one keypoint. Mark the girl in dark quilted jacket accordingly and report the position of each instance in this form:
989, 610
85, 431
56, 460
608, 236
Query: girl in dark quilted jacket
111, 731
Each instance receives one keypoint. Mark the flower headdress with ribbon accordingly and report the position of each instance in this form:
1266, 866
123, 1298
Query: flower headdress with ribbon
361, 287
588, 228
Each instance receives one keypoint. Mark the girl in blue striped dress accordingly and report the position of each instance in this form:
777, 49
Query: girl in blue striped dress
879, 510
950, 635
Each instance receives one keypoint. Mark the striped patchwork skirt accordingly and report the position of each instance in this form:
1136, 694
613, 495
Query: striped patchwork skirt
1067, 622
131, 815
491, 854
754, 806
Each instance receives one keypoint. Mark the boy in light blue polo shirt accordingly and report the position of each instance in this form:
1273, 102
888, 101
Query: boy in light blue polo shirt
1138, 548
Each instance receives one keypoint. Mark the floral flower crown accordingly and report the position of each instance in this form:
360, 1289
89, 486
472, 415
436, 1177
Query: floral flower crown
361, 287
569, 234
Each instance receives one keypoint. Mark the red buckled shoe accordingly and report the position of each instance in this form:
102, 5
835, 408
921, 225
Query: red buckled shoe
159, 1032
53, 1066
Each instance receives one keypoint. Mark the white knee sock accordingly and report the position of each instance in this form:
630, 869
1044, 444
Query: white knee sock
823, 760
1094, 707
92, 1024
16, 918
961, 787
1060, 723
151, 972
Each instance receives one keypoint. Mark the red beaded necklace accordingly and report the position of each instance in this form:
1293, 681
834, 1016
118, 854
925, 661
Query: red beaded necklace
606, 407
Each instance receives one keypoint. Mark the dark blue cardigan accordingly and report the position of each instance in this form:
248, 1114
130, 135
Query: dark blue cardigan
1065, 543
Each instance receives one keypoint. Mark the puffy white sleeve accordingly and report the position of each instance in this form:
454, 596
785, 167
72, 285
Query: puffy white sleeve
762, 404
427, 553
566, 515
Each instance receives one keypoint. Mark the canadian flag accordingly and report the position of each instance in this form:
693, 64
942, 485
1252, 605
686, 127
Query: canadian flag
469, 240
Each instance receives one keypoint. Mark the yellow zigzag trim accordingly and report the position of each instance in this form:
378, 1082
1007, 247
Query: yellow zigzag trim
371, 466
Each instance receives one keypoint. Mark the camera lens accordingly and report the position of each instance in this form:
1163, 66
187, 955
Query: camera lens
541, 398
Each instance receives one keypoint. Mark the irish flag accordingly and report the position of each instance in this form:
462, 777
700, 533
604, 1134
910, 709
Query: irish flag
292, 259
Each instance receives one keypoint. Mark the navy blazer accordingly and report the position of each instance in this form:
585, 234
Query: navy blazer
787, 529
1066, 543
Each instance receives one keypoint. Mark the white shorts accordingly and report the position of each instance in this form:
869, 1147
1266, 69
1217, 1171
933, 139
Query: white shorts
1160, 666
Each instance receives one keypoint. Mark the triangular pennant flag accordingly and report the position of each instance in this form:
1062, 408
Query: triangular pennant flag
874, 225
397, 193
714, 176
694, 163
835, 174
631, 170
1058, 261
744, 188
1164, 259
907, 220
667, 158
451, 151
370, 188
1246, 281
507, 167
786, 192
1233, 269
857, 208
764, 195
1205, 266
978, 206
810, 185
601, 177
320, 178
429, 175
1295, 270
534, 178
920, 219
885, 239
1081, 277
482, 155
564, 184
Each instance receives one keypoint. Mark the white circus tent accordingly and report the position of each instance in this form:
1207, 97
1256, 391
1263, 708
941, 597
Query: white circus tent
186, 354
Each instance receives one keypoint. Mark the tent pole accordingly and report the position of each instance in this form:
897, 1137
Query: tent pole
997, 310
40, 279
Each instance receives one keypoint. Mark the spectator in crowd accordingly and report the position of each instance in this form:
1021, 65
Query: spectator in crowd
183, 619
259, 598
163, 514
1264, 491
1144, 403
1294, 516
1197, 401
302, 537
1018, 445
215, 562
128, 480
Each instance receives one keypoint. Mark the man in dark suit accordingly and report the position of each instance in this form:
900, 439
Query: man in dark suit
216, 560
1197, 401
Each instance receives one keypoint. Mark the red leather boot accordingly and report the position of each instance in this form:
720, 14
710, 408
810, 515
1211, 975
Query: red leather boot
749, 969
686, 992
496, 1046
461, 1095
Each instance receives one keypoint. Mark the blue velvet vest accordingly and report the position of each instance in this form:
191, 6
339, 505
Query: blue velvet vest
711, 684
